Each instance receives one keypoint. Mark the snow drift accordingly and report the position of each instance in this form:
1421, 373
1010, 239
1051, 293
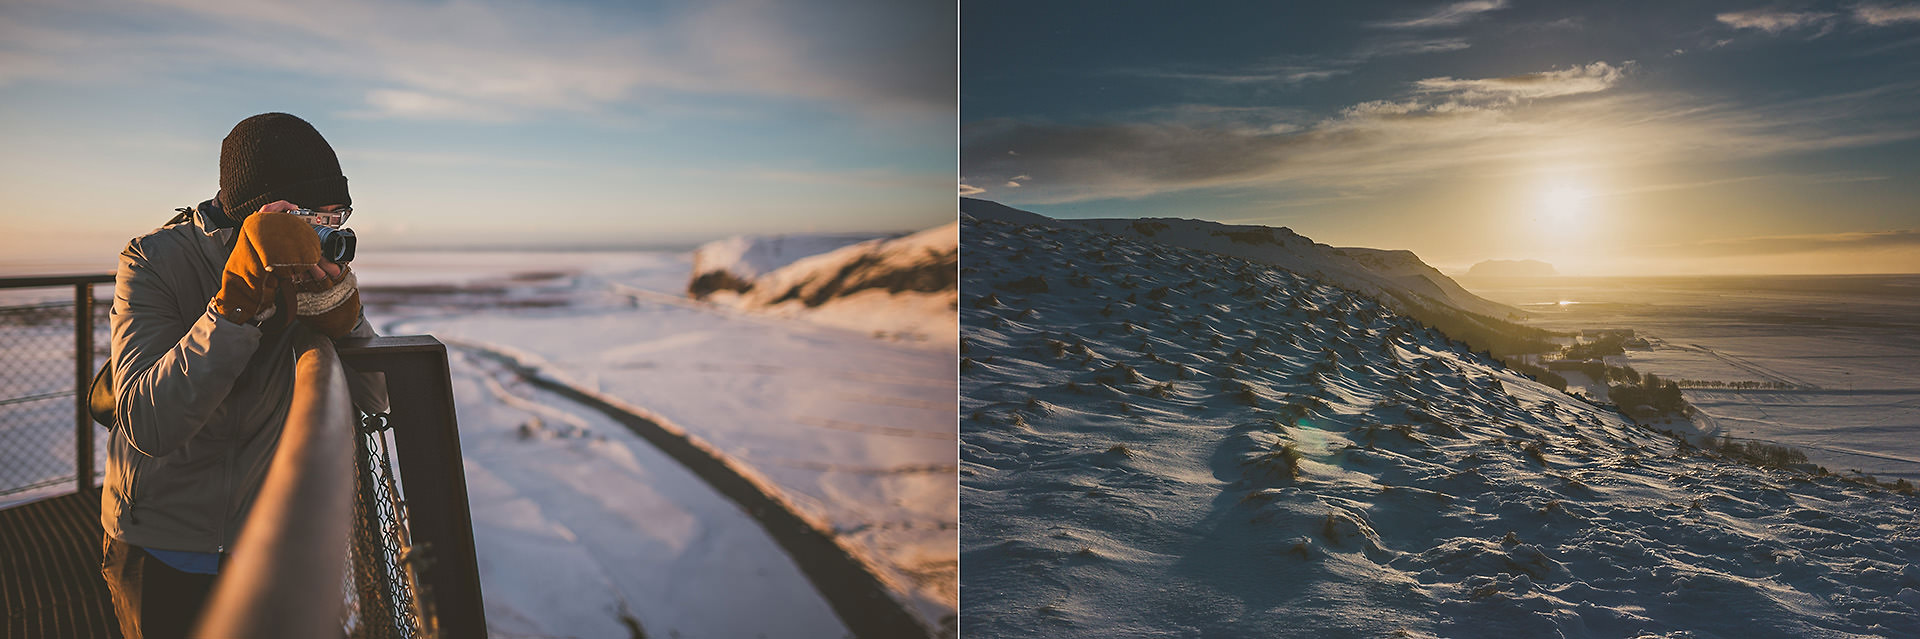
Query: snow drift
1168, 442
901, 287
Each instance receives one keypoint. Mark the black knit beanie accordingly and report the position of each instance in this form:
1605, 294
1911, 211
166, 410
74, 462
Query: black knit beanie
276, 156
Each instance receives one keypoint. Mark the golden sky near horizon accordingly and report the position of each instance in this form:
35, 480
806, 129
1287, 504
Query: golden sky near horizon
1612, 139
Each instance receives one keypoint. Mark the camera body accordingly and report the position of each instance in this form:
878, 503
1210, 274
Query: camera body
336, 244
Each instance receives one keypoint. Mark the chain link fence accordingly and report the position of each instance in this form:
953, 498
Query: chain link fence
37, 396
380, 581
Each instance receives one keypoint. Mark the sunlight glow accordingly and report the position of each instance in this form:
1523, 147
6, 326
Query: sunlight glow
1564, 204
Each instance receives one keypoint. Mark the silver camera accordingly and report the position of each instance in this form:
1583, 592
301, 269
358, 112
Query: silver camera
336, 244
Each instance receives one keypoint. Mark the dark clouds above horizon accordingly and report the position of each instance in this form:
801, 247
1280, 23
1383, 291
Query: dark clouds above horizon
1245, 110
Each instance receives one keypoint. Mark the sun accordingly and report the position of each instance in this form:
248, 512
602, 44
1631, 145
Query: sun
1563, 204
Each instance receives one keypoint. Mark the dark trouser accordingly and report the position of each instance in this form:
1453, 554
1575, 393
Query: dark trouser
153, 600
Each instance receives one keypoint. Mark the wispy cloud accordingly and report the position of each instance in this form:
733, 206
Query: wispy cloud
1774, 177
1881, 15
1294, 70
1388, 47
493, 62
865, 179
1366, 143
1263, 75
1773, 20
1776, 21
1447, 122
1447, 16
1437, 129
416, 105
1786, 244
1591, 78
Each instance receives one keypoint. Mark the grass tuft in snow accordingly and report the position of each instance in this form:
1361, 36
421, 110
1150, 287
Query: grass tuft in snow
1283, 462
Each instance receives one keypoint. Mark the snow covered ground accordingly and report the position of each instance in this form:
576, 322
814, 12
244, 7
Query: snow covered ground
1159, 442
577, 520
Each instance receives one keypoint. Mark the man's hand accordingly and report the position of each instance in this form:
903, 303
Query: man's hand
325, 270
327, 296
271, 246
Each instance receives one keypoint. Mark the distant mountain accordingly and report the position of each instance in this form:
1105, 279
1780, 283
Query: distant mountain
1512, 268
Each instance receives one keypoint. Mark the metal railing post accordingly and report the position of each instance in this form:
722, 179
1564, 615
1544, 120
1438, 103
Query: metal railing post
426, 440
82, 381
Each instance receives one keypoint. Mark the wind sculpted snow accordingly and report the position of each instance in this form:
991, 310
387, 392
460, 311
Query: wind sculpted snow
1166, 442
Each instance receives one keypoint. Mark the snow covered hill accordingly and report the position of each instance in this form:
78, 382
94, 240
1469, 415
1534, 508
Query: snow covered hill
894, 287
732, 264
1383, 274
1168, 442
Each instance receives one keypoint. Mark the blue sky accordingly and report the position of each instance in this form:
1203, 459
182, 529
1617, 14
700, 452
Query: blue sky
1606, 138
480, 123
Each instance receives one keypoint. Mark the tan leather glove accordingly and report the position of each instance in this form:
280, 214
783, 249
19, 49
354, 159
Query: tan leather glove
270, 247
329, 305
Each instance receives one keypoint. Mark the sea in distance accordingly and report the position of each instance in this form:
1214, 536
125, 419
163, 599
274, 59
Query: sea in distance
1833, 361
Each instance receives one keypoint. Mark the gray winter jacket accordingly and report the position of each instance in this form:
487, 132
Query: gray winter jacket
202, 400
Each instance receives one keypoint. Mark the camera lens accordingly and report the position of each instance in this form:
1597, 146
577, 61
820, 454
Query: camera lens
336, 244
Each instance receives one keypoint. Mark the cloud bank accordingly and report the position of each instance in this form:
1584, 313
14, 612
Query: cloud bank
485, 61
1443, 123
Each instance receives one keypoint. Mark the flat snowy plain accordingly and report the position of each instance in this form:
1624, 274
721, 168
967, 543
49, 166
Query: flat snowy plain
1847, 346
1158, 442
577, 520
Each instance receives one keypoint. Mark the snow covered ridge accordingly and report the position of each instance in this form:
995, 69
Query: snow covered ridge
733, 263
1157, 441
1380, 273
903, 287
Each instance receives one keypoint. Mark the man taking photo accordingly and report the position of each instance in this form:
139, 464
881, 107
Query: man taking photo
206, 314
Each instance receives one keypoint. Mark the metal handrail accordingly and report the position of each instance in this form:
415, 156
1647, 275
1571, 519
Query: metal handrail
283, 579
